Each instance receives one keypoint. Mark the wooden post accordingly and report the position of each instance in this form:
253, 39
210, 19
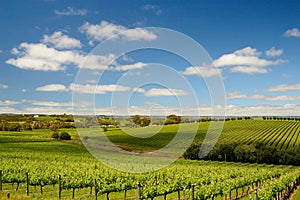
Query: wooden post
125, 194
27, 184
95, 188
73, 193
0, 180
193, 191
59, 187
255, 194
139, 191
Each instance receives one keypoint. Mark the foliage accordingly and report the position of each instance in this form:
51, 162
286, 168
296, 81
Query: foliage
64, 136
141, 121
55, 135
173, 119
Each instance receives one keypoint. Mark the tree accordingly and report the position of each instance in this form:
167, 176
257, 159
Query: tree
138, 120
145, 121
173, 119
64, 136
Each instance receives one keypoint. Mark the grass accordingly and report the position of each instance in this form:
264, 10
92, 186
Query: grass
33, 147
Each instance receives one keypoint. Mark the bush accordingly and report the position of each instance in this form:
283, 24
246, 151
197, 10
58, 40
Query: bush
64, 136
55, 135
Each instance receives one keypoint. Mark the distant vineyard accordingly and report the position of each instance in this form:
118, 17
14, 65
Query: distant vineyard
280, 134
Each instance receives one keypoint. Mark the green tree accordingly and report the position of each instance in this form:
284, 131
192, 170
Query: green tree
173, 119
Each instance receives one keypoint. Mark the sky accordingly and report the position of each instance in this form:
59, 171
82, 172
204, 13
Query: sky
53, 57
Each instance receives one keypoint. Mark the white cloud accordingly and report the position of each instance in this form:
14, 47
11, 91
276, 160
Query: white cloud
3, 86
9, 103
51, 103
274, 52
140, 90
235, 95
238, 95
7, 109
292, 33
60, 41
263, 110
97, 89
154, 8
246, 60
40, 57
247, 51
52, 88
104, 30
203, 71
138, 65
249, 70
284, 88
47, 110
165, 92
71, 12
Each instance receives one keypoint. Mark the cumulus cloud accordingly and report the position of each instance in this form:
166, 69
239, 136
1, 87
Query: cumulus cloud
97, 89
274, 52
203, 71
104, 30
71, 12
3, 86
238, 95
8, 109
52, 88
9, 103
140, 90
284, 88
292, 33
61, 41
138, 65
165, 92
249, 70
246, 60
51, 103
38, 56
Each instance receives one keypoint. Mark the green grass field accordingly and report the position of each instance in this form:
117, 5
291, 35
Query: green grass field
45, 158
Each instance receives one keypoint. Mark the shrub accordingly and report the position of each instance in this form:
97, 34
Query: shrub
55, 135
64, 136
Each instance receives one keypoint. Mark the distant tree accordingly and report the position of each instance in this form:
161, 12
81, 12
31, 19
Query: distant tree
145, 121
173, 119
136, 119
55, 135
64, 136
141, 121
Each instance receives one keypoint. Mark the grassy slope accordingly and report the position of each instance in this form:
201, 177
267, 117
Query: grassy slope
280, 134
38, 144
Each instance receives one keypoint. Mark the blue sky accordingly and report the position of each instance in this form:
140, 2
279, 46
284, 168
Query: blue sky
254, 45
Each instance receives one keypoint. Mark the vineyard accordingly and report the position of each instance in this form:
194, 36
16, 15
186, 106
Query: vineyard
33, 165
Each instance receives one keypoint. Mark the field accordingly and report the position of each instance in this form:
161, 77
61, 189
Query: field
44, 159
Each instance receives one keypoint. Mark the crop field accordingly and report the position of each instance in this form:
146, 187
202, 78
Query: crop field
35, 166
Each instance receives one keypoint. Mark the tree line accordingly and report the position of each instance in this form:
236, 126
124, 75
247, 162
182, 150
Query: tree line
249, 153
